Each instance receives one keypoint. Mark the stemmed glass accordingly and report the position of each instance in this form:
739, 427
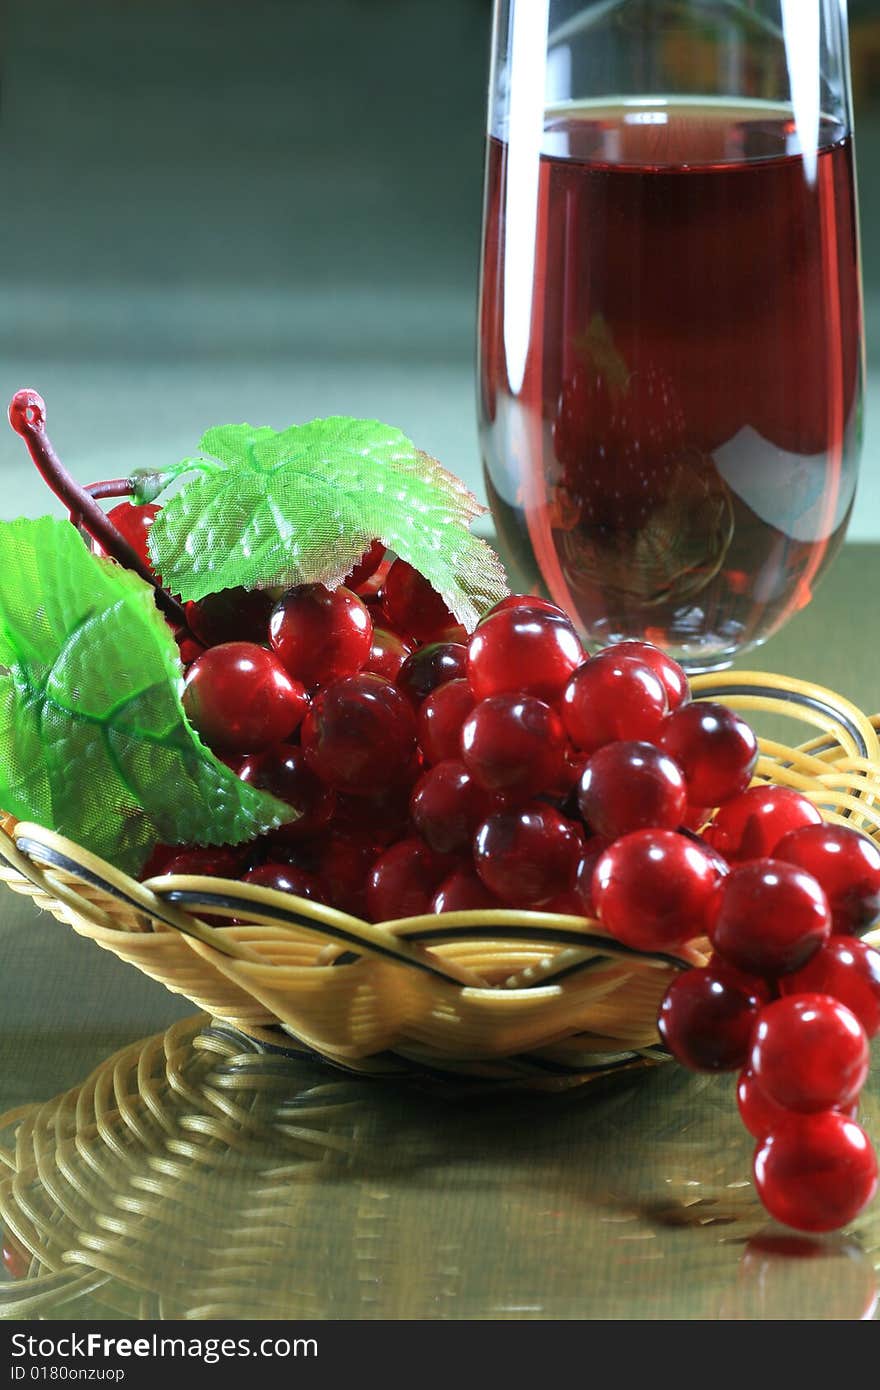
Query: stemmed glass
671, 350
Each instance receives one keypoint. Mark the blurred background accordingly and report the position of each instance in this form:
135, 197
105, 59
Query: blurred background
219, 211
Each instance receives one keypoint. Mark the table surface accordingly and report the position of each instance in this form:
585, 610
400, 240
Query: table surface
247, 1185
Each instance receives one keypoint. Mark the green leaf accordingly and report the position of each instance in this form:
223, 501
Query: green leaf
94, 742
302, 506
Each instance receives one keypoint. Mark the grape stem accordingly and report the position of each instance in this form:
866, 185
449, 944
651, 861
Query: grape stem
27, 416
113, 487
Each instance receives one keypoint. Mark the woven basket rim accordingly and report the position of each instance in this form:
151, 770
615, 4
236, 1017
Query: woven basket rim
489, 972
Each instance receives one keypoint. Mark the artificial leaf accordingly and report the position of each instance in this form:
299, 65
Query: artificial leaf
301, 506
94, 742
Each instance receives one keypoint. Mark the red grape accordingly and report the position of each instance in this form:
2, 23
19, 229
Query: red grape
770, 918
527, 857
672, 676
366, 566
404, 880
383, 816
524, 601
412, 605
631, 786
15, 1261
286, 878
707, 1016
133, 524
751, 825
591, 853
440, 719
653, 889
447, 806
284, 772
817, 1172
761, 1115
209, 861
463, 891
360, 734
431, 667
848, 970
716, 750
343, 863
613, 697
387, 654
513, 744
846, 864
320, 634
240, 699
523, 651
233, 615
809, 1053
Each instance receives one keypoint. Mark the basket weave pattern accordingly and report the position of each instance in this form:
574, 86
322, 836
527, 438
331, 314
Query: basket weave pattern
499, 993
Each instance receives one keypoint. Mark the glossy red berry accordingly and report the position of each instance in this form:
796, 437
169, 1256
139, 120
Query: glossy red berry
816, 1173
404, 880
809, 1053
631, 786
366, 566
447, 806
133, 523
160, 856
716, 750
370, 589
440, 719
591, 853
761, 1115
846, 864
210, 861
513, 744
770, 918
429, 668
387, 654
523, 651
527, 857
286, 878
233, 615
707, 1017
319, 634
672, 676
653, 889
524, 601
189, 648
696, 817
412, 605
613, 697
240, 699
564, 790
284, 772
463, 891
384, 818
343, 863
848, 970
751, 825
15, 1261
454, 633
360, 735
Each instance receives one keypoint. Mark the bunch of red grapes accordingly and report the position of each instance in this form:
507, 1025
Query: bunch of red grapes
438, 773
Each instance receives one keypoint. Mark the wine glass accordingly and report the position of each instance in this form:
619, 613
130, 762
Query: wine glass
671, 343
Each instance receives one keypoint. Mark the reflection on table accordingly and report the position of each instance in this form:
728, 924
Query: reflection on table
193, 1175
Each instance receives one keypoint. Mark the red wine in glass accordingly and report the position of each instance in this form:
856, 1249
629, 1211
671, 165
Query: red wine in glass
673, 452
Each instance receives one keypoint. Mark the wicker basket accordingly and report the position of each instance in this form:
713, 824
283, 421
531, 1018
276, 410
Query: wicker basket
494, 994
